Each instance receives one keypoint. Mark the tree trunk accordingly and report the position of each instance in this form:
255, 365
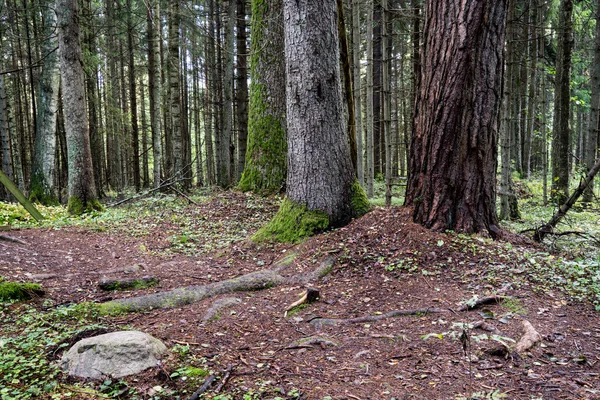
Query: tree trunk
175, 156
322, 190
82, 192
386, 102
360, 171
561, 134
135, 134
370, 169
591, 147
241, 92
113, 140
452, 183
265, 168
42, 173
224, 160
154, 84
6, 148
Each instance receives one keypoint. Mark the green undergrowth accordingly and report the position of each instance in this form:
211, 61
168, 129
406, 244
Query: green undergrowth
30, 341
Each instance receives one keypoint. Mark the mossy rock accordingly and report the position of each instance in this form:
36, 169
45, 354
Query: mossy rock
11, 291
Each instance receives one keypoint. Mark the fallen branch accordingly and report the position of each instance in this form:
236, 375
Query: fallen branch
529, 339
548, 228
311, 341
253, 281
209, 381
487, 327
6, 238
482, 301
225, 377
318, 323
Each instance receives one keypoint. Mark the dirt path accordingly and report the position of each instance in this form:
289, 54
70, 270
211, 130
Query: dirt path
383, 262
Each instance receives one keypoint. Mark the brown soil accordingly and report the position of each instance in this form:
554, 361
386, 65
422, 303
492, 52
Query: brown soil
375, 360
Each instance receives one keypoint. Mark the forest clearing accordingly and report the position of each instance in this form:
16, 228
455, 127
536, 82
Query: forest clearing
381, 263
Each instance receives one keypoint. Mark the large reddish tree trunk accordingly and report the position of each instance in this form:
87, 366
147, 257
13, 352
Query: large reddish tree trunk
454, 147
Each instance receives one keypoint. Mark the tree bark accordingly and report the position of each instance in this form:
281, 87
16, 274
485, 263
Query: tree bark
43, 160
453, 150
224, 173
591, 147
82, 192
241, 92
154, 84
561, 134
175, 169
360, 170
370, 169
265, 168
135, 134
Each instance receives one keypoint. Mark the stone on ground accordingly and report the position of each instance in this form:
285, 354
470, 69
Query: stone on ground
114, 355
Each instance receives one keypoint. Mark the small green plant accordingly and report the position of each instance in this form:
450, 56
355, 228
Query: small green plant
10, 291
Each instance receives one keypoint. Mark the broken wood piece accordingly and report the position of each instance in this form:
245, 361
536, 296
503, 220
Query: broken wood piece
482, 301
225, 377
6, 238
310, 295
486, 327
529, 339
128, 284
311, 341
209, 381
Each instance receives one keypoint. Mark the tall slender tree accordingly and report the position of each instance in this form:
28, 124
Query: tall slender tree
82, 191
43, 160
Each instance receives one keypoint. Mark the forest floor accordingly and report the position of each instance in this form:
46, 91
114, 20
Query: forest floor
382, 262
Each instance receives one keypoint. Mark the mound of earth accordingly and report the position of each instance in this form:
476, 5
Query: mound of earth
382, 263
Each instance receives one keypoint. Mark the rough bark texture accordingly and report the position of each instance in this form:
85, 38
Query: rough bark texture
176, 154
593, 128
154, 88
42, 171
82, 192
135, 135
360, 170
5, 136
453, 150
224, 160
562, 97
265, 168
320, 173
241, 92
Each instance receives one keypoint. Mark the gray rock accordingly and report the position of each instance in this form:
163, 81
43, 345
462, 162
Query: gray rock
115, 355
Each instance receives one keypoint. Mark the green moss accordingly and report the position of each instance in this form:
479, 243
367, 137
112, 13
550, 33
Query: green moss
358, 200
112, 309
292, 223
39, 194
18, 291
76, 206
266, 156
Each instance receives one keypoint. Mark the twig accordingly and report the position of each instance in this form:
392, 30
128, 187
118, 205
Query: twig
179, 192
204, 387
225, 377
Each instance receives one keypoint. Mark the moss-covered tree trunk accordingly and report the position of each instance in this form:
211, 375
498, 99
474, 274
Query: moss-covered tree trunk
82, 191
322, 189
265, 166
452, 183
42, 171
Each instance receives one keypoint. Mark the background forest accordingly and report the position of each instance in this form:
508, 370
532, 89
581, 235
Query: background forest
168, 100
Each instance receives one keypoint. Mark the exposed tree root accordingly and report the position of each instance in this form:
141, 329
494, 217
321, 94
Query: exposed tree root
309, 296
529, 339
253, 281
214, 310
312, 341
6, 238
318, 323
